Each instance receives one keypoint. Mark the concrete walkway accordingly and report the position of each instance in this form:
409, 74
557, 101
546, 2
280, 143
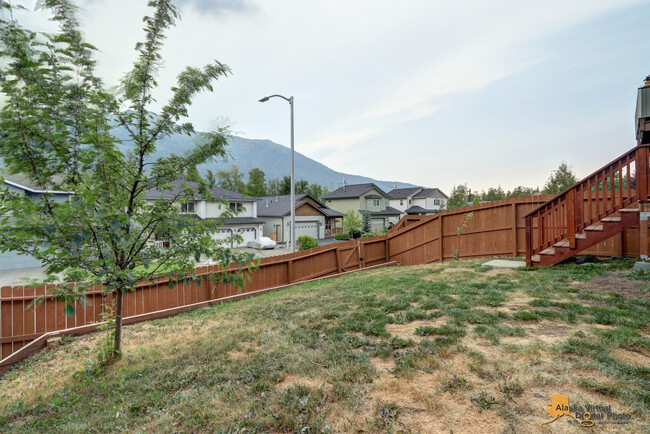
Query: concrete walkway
504, 263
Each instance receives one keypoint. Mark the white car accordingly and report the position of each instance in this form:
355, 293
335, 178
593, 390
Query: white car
264, 243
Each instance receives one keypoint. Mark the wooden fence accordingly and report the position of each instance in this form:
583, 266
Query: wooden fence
496, 229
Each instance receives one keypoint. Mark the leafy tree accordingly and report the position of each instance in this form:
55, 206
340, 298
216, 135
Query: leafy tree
366, 222
523, 191
560, 179
192, 174
493, 194
256, 186
460, 196
317, 191
351, 222
232, 179
210, 179
55, 128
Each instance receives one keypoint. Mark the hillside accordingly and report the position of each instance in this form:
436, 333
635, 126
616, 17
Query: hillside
271, 157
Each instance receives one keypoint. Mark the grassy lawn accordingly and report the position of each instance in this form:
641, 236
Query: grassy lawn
433, 348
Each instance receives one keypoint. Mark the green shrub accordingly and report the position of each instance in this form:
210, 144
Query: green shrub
306, 242
368, 235
342, 237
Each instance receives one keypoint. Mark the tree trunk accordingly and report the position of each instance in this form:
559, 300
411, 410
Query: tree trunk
117, 347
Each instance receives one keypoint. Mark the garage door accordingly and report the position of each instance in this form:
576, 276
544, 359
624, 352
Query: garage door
307, 228
248, 234
378, 224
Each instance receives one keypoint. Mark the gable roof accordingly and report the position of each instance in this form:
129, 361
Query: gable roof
181, 184
279, 206
428, 192
354, 190
23, 181
403, 193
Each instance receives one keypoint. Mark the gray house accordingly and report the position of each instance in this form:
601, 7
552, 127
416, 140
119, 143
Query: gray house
23, 185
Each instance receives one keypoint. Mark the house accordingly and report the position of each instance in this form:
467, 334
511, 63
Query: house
246, 223
418, 200
363, 198
21, 184
313, 218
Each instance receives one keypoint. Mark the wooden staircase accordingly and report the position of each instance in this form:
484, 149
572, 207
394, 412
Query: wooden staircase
606, 203
592, 235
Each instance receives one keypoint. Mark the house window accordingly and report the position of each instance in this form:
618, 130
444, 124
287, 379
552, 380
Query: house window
373, 203
236, 206
436, 201
187, 207
409, 201
401, 202
328, 224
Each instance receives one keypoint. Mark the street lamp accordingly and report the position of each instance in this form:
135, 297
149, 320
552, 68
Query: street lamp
293, 181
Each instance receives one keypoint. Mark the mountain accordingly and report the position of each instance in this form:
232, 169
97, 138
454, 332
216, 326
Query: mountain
272, 158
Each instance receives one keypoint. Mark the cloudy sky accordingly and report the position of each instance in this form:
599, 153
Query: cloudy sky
435, 93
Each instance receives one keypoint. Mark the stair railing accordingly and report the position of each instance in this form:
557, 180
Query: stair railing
599, 195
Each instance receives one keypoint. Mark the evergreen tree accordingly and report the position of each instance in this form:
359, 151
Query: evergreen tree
560, 179
366, 221
274, 187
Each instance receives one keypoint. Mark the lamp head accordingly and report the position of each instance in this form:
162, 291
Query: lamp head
265, 99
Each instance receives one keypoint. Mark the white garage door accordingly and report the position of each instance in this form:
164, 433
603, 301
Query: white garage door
248, 234
307, 228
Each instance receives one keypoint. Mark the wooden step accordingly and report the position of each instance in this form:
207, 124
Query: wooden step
581, 236
550, 251
595, 227
535, 258
564, 243
611, 219
629, 210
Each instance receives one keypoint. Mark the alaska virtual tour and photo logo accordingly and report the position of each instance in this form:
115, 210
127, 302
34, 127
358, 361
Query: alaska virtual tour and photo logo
586, 415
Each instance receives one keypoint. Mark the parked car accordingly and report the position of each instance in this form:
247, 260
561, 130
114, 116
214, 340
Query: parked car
264, 243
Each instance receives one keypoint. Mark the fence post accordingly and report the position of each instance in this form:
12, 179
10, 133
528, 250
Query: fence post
290, 271
529, 241
571, 217
442, 239
338, 260
514, 228
386, 247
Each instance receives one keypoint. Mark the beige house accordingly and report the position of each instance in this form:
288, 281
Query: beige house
313, 218
363, 198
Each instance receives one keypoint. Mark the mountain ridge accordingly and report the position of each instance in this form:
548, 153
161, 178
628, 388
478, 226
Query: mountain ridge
271, 157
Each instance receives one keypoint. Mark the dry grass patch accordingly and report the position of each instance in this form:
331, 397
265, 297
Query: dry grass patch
407, 331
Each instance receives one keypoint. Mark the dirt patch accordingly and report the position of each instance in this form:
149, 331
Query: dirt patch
457, 270
383, 365
615, 282
407, 331
516, 301
312, 383
498, 271
544, 332
633, 357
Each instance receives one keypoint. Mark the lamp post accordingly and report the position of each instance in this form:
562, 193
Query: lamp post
293, 181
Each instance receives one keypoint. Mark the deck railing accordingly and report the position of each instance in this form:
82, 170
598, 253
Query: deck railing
599, 195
